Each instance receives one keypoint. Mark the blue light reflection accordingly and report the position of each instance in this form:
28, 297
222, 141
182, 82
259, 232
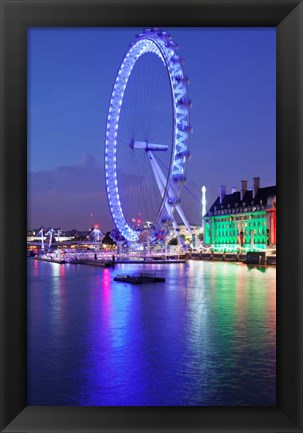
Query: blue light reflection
205, 337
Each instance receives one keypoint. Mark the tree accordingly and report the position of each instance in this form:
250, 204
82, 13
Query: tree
80, 237
107, 240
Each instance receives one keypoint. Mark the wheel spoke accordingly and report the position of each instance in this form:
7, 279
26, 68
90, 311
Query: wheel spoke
151, 42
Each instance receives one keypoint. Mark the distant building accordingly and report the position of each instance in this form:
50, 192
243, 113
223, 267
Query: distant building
244, 219
34, 236
196, 229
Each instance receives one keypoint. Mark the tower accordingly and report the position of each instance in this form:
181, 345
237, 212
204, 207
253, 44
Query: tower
203, 202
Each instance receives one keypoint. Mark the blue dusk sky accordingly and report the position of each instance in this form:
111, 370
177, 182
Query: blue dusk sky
71, 72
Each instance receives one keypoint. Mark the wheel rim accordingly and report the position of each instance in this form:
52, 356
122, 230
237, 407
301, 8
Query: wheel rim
159, 43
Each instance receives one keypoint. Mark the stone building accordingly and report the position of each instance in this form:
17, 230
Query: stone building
244, 219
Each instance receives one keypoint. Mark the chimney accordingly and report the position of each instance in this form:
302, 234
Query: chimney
233, 190
222, 193
243, 188
256, 186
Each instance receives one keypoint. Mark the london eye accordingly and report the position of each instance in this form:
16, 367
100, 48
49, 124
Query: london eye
144, 173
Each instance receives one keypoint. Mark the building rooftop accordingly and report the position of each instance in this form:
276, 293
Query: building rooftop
263, 198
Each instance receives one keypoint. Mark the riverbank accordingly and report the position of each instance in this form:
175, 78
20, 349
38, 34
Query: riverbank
231, 257
218, 257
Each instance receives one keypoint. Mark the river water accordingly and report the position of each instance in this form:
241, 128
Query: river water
205, 337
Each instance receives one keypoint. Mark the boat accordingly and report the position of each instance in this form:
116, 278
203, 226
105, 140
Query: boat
101, 264
50, 259
139, 278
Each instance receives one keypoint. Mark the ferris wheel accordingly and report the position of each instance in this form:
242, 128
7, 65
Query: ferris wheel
168, 179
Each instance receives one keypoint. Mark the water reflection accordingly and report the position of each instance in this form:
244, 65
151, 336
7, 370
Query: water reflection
36, 268
205, 337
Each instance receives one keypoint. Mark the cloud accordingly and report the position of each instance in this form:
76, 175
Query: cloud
67, 195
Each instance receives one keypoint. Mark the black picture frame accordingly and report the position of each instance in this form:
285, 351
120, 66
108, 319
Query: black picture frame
16, 17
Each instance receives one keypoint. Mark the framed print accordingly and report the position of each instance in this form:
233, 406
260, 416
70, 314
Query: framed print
27, 24
193, 332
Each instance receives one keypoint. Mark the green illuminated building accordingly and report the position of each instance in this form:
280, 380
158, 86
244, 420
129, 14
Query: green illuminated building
243, 220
